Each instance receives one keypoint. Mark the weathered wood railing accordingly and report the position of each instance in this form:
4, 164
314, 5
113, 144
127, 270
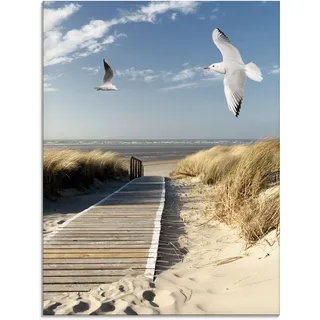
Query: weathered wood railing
136, 168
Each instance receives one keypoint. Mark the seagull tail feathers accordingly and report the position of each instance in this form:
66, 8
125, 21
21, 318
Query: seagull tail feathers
253, 72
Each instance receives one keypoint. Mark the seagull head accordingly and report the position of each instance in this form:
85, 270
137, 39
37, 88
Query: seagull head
217, 67
211, 67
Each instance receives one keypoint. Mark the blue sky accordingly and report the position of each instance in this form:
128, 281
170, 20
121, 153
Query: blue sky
157, 51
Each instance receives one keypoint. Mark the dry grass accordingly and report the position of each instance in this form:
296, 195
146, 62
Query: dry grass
64, 169
210, 165
240, 196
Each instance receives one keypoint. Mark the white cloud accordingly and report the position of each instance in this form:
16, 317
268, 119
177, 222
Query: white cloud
151, 78
48, 3
47, 85
146, 75
174, 16
201, 18
54, 17
64, 47
154, 8
48, 89
189, 85
212, 78
93, 46
185, 64
213, 17
91, 70
183, 75
216, 9
274, 70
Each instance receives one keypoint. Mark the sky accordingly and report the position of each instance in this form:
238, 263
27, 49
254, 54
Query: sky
158, 51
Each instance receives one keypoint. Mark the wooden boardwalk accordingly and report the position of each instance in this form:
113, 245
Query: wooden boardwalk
116, 237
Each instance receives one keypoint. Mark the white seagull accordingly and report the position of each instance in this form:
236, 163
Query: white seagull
234, 70
108, 75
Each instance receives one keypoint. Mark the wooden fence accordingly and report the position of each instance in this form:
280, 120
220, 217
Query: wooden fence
136, 168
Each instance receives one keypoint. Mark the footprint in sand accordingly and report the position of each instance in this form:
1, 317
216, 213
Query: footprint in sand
49, 311
106, 307
61, 221
159, 298
129, 311
81, 307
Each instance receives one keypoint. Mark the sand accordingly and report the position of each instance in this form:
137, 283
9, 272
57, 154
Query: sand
218, 274
72, 202
159, 168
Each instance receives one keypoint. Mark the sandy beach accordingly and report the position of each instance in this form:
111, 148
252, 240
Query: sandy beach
216, 274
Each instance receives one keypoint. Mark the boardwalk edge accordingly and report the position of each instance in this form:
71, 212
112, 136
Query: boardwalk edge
153, 251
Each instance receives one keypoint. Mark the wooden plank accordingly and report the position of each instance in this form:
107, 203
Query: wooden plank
104, 229
112, 225
67, 250
119, 216
107, 236
101, 237
92, 242
110, 219
95, 261
125, 206
74, 280
110, 232
100, 246
105, 243
92, 272
94, 266
95, 255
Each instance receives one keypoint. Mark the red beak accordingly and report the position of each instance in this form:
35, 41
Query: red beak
206, 68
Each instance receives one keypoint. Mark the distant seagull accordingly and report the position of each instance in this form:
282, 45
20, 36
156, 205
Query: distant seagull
108, 75
234, 69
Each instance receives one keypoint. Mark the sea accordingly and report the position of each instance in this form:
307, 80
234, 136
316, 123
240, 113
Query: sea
145, 150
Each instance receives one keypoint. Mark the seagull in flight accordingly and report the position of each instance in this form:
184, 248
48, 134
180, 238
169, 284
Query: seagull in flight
108, 75
234, 70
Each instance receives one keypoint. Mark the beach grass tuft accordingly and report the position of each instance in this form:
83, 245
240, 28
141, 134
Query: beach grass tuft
63, 169
241, 197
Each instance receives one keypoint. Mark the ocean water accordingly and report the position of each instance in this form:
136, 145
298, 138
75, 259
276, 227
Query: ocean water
145, 150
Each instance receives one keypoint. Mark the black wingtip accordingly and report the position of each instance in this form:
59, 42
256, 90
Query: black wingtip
238, 108
223, 34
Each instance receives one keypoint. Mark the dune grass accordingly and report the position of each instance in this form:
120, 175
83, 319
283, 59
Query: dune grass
241, 197
63, 169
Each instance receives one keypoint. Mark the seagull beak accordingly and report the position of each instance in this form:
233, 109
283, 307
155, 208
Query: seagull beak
206, 68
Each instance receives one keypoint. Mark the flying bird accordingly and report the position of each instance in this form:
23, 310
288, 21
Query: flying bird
234, 70
108, 75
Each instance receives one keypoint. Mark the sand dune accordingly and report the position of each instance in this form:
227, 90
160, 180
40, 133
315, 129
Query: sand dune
218, 275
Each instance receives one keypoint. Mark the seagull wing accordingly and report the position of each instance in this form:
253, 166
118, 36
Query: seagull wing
228, 51
108, 75
234, 81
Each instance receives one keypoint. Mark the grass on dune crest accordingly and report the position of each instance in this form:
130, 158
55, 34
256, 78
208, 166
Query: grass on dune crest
241, 197
64, 169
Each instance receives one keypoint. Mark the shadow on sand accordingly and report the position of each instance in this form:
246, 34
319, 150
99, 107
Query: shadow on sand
172, 227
